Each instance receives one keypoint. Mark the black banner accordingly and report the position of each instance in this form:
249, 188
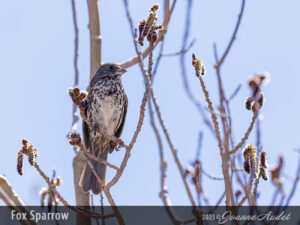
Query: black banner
146, 215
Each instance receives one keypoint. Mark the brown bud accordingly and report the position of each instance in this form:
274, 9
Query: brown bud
75, 138
82, 95
247, 167
263, 174
158, 27
248, 103
141, 41
263, 160
261, 99
152, 37
76, 91
32, 154
81, 107
142, 27
20, 164
199, 66
58, 181
238, 193
154, 8
72, 94
24, 142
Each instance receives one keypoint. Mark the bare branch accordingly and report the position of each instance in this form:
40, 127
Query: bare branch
7, 191
188, 91
297, 178
236, 91
13, 200
247, 192
246, 134
219, 63
76, 77
114, 207
182, 51
255, 190
95, 36
212, 113
97, 159
211, 176
163, 164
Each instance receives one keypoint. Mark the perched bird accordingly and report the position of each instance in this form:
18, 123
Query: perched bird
104, 110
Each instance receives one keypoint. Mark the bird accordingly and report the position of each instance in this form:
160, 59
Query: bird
105, 110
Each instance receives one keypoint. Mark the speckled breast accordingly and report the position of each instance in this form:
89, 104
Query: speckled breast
106, 102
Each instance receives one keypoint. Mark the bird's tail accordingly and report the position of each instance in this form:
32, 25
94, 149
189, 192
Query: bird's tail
88, 180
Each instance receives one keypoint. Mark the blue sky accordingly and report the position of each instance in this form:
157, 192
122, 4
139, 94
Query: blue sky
36, 67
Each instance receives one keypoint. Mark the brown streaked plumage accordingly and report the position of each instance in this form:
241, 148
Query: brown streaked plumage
105, 109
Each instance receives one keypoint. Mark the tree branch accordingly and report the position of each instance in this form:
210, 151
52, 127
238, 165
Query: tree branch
95, 36
233, 35
244, 139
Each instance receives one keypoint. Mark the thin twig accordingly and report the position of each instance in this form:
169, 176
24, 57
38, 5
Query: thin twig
236, 91
182, 58
94, 172
224, 156
297, 178
255, 190
211, 176
163, 164
199, 146
182, 51
174, 151
159, 57
247, 192
76, 76
212, 113
233, 35
242, 142
226, 124
97, 159
114, 207
258, 135
218, 202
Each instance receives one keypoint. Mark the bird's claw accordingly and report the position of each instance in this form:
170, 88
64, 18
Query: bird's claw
78, 97
119, 144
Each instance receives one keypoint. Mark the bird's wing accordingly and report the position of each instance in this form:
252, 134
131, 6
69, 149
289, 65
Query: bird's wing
86, 135
119, 131
85, 131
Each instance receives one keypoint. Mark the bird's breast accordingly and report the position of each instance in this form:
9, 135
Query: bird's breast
106, 106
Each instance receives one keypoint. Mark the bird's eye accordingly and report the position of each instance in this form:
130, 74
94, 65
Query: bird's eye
111, 67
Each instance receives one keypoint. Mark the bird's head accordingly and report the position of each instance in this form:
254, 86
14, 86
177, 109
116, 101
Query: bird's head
110, 69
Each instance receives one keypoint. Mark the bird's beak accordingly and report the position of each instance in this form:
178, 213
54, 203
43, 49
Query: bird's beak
120, 71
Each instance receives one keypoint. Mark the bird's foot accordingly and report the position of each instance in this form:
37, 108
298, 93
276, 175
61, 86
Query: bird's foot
119, 144
78, 97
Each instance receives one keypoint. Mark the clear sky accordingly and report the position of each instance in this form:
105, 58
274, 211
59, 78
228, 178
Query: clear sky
36, 67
